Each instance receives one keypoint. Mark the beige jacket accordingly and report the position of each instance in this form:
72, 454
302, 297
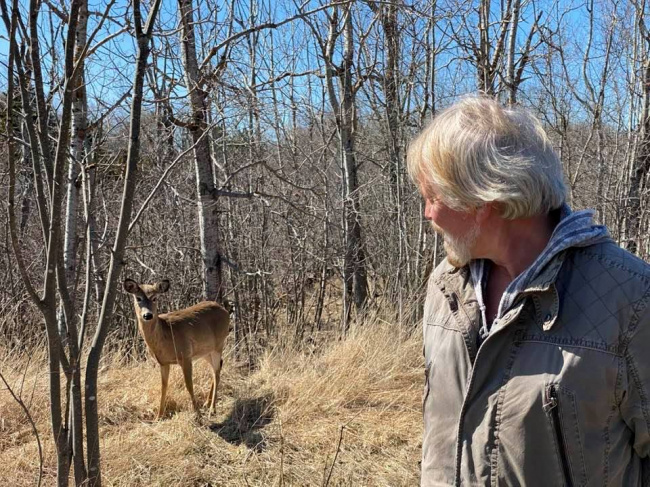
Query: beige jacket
558, 393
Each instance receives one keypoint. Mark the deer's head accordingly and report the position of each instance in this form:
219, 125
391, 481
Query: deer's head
145, 297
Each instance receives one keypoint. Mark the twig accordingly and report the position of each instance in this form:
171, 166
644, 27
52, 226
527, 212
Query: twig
338, 449
31, 421
266, 25
281, 456
164, 175
153, 273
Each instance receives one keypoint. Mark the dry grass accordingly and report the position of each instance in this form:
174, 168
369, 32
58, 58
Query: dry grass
356, 401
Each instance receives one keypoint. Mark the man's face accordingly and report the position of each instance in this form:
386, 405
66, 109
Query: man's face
459, 230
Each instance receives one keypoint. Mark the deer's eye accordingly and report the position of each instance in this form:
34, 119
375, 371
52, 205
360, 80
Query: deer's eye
138, 299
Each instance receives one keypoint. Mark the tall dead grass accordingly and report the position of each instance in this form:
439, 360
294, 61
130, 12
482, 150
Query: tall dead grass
348, 414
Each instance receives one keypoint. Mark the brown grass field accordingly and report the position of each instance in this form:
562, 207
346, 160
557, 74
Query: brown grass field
348, 414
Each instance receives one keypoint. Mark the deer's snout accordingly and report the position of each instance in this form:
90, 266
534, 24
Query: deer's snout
147, 315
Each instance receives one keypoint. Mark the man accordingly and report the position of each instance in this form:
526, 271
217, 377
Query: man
536, 327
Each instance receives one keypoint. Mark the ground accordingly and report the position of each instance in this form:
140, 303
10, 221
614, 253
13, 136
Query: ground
348, 414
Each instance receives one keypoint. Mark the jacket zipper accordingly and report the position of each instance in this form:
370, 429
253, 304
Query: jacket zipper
470, 386
427, 371
463, 409
459, 434
552, 408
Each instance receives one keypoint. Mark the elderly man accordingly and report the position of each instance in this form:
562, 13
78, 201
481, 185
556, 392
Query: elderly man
537, 325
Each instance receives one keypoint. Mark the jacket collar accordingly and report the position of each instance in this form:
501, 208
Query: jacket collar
575, 229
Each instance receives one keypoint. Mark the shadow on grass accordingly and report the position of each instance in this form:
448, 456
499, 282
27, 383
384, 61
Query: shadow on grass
246, 419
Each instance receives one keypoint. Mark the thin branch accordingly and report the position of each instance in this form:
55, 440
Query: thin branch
338, 449
266, 25
164, 175
97, 122
234, 194
56, 11
106, 39
31, 422
82, 56
11, 152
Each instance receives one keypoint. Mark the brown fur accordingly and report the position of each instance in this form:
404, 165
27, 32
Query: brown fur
180, 337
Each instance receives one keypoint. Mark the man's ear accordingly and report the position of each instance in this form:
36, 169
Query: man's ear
162, 286
130, 286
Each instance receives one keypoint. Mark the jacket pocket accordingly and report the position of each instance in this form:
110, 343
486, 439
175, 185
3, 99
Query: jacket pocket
560, 407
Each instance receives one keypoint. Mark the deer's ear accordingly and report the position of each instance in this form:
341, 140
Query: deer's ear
130, 286
162, 286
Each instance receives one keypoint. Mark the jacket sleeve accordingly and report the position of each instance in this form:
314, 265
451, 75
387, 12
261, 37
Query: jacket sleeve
635, 390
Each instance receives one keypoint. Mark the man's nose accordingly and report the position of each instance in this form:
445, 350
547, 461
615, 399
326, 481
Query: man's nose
428, 207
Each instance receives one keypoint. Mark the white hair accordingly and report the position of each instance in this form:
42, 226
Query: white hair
476, 152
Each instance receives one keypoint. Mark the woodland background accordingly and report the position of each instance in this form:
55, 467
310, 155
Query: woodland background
254, 150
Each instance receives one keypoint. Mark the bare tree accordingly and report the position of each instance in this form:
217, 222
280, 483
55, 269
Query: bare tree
339, 22
641, 161
491, 46
67, 422
205, 180
143, 38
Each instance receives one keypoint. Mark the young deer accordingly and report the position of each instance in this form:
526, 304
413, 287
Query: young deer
179, 337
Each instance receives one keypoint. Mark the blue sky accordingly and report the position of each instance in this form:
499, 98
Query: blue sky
109, 70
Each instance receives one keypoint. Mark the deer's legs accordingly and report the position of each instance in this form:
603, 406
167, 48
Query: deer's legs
215, 361
164, 375
186, 365
208, 359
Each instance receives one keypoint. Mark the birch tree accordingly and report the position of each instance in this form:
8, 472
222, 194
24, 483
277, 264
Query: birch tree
339, 22
641, 155
66, 413
205, 180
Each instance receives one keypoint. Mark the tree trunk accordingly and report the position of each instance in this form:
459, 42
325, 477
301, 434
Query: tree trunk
641, 165
510, 70
206, 191
391, 83
78, 128
92, 368
356, 280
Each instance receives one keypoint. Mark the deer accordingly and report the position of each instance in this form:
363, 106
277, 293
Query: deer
181, 337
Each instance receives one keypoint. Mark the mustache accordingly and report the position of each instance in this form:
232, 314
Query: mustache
437, 229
